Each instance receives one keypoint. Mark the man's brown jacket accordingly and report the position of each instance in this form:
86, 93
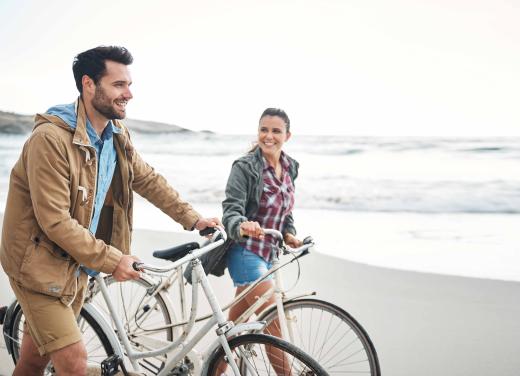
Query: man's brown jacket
45, 234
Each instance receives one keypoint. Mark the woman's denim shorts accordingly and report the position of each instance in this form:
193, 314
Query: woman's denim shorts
244, 266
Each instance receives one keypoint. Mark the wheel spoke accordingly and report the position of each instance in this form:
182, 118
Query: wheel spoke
330, 336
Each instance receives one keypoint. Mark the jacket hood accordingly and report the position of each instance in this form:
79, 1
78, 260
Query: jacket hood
63, 115
66, 112
41, 119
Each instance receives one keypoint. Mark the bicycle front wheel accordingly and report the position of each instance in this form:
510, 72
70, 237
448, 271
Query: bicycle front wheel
328, 334
260, 354
96, 342
146, 315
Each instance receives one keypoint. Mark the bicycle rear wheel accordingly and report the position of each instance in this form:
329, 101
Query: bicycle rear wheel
260, 354
328, 334
96, 342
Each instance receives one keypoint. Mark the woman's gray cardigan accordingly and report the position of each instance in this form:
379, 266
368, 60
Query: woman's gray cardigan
244, 190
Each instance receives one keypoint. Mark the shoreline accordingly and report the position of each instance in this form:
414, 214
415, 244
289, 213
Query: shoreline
463, 245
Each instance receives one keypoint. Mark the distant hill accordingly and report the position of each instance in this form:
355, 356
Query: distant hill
12, 123
143, 126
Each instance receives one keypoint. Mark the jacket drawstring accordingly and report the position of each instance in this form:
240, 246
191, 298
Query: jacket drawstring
83, 190
87, 154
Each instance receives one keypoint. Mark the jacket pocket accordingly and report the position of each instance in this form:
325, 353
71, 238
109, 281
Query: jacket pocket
46, 269
270, 195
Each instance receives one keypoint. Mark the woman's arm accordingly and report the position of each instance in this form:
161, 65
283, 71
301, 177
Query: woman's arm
237, 197
289, 232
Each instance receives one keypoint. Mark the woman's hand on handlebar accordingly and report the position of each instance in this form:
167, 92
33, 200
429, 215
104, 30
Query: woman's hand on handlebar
251, 228
292, 241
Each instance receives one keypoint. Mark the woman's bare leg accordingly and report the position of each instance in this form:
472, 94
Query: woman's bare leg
276, 357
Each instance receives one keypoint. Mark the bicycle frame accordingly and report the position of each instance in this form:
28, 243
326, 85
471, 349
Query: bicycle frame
224, 329
277, 290
165, 284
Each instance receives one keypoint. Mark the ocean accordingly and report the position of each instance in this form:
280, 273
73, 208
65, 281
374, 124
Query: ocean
440, 205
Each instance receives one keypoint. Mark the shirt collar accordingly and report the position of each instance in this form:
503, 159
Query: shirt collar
283, 160
109, 130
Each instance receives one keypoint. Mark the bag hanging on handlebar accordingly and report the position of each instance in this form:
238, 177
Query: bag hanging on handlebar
213, 262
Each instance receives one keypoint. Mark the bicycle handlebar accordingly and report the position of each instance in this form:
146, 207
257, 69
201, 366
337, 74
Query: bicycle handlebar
273, 232
308, 242
218, 238
207, 231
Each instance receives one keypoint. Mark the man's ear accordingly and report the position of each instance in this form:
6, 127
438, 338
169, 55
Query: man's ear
88, 84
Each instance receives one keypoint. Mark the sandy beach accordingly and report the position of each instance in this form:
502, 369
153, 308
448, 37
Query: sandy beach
421, 324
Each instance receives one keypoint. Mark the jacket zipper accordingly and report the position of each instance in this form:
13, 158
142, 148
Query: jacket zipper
88, 160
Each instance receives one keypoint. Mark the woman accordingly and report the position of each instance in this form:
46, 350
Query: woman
259, 194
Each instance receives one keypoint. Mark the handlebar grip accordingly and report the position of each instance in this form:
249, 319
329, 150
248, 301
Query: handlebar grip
308, 240
207, 231
137, 266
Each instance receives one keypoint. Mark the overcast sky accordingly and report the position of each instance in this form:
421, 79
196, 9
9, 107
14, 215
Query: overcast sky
367, 67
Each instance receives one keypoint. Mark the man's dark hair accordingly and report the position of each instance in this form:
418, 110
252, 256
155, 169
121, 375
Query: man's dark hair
280, 113
92, 62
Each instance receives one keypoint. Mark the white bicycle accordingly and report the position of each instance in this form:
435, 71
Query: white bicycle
323, 330
114, 342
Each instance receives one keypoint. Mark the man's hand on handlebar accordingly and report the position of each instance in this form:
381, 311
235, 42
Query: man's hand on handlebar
124, 271
202, 223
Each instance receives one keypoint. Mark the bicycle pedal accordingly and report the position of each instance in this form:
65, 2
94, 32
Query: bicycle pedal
110, 366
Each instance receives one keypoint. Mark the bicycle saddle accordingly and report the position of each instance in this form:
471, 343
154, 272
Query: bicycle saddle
177, 252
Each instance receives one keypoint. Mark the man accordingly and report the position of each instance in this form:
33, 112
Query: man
69, 209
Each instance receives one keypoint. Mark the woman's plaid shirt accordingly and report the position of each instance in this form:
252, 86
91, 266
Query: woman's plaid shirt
276, 203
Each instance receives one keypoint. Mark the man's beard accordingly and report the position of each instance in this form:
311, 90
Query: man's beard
104, 106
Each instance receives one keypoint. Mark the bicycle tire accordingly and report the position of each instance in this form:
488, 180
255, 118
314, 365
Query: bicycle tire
16, 332
96, 342
127, 298
251, 352
337, 341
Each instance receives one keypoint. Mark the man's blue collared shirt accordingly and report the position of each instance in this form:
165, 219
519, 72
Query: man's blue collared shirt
106, 163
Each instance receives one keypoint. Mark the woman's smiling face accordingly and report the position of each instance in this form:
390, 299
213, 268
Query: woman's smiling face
272, 134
